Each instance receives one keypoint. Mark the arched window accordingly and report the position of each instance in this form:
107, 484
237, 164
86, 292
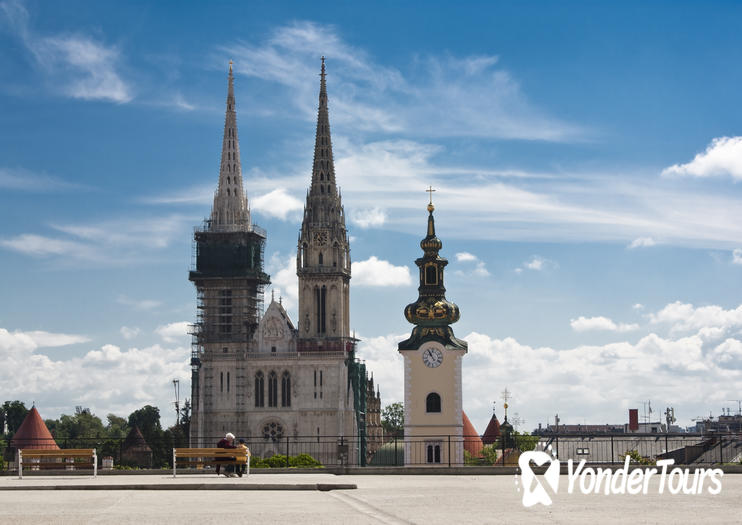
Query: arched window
433, 402
434, 453
321, 188
259, 389
273, 389
227, 192
321, 258
286, 389
221, 381
227, 381
229, 181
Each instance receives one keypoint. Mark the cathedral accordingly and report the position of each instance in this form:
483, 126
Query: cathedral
255, 372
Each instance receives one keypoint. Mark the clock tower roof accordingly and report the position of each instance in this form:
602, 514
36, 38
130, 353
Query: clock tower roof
432, 314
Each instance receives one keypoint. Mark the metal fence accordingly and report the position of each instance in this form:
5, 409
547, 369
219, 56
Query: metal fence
439, 450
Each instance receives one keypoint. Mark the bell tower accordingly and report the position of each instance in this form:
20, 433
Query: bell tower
323, 252
229, 279
432, 365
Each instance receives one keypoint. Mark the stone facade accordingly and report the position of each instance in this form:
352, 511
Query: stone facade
262, 377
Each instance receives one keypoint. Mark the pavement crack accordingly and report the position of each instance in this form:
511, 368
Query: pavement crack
368, 510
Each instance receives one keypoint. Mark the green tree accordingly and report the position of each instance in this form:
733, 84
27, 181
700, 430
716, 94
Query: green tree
147, 419
13, 413
117, 427
392, 419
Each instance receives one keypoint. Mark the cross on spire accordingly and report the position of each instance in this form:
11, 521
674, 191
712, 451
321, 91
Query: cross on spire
430, 190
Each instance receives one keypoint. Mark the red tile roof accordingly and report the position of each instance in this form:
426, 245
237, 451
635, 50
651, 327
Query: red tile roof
492, 432
33, 433
472, 441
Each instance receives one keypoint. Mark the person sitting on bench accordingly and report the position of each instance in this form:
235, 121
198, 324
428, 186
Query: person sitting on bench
226, 442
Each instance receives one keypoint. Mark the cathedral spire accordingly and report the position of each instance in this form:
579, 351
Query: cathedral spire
230, 211
323, 170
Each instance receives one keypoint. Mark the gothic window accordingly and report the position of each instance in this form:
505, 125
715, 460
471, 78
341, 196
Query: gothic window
228, 180
321, 176
227, 381
221, 381
321, 258
321, 188
433, 403
227, 192
234, 168
323, 304
272, 431
259, 390
272, 389
286, 389
317, 306
227, 167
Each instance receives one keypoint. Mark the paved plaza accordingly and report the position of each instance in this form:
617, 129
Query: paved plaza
378, 499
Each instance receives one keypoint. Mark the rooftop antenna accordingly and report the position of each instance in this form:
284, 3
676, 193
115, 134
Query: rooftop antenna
739, 405
176, 387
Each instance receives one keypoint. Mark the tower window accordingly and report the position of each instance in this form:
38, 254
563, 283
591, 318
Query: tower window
286, 389
259, 390
321, 188
321, 258
227, 381
272, 389
431, 276
221, 381
433, 403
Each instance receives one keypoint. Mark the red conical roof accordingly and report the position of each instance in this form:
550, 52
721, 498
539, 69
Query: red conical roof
472, 442
33, 433
492, 432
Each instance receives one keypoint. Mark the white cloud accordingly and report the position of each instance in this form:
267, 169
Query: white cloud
107, 379
466, 257
284, 281
376, 272
480, 268
174, 332
599, 383
383, 360
277, 203
537, 264
435, 96
584, 324
76, 65
129, 332
722, 157
685, 317
369, 217
41, 246
25, 180
638, 306
737, 256
641, 242
105, 243
139, 304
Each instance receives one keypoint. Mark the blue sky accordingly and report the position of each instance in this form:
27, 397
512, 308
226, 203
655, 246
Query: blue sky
587, 157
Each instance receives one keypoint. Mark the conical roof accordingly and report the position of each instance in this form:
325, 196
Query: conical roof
135, 439
472, 442
33, 433
492, 432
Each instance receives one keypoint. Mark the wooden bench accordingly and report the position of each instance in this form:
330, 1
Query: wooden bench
74, 458
210, 456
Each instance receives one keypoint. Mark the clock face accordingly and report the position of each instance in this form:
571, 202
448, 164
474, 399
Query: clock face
432, 357
321, 237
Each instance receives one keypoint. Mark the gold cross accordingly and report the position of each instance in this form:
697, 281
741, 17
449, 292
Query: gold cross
430, 190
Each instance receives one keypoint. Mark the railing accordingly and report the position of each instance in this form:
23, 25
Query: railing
280, 450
